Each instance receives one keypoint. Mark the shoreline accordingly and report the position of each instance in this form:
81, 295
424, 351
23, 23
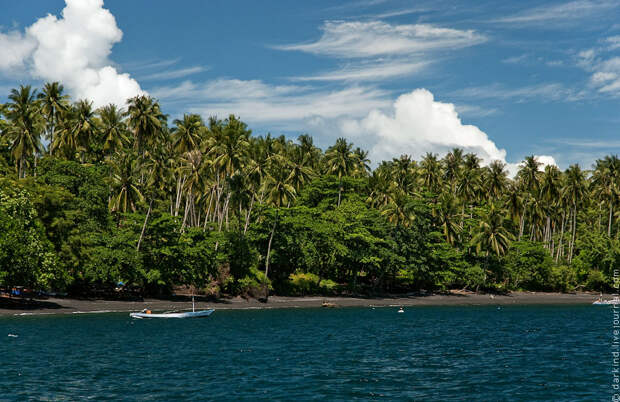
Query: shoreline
50, 306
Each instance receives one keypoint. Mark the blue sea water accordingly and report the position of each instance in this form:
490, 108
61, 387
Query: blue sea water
428, 353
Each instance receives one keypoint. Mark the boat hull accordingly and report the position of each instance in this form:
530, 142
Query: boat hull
606, 302
189, 314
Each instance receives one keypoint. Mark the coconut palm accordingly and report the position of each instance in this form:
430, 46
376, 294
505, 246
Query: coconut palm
495, 180
574, 191
187, 134
430, 172
25, 126
146, 121
278, 192
53, 102
491, 236
124, 185
340, 161
113, 129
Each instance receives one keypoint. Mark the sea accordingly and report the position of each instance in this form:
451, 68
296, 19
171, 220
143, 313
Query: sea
469, 353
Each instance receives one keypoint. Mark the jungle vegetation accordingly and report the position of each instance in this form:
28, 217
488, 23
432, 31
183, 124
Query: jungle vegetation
90, 197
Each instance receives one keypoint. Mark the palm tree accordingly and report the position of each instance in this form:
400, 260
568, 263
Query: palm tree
430, 170
125, 189
363, 163
53, 102
496, 180
448, 216
278, 192
113, 129
606, 184
146, 120
574, 190
453, 164
187, 134
76, 130
491, 235
26, 124
340, 161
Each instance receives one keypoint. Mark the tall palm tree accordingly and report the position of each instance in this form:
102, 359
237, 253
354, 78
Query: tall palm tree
496, 180
448, 216
113, 129
26, 124
491, 235
126, 192
146, 120
340, 161
453, 164
53, 102
187, 134
278, 192
430, 171
574, 190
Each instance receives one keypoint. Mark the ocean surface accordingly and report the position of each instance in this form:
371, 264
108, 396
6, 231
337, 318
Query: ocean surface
428, 353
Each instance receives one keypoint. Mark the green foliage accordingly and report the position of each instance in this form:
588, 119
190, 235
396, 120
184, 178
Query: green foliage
527, 264
26, 256
302, 284
121, 196
254, 284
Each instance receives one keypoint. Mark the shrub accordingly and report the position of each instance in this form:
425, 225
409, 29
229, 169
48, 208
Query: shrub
304, 283
254, 284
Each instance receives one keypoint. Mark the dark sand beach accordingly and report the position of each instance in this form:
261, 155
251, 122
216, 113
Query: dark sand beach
73, 306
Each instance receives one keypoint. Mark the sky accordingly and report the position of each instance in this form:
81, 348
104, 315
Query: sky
503, 79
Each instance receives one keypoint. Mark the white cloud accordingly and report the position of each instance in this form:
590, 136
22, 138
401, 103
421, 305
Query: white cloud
605, 72
417, 124
171, 74
551, 16
223, 89
375, 71
279, 106
375, 38
74, 50
515, 59
546, 91
14, 48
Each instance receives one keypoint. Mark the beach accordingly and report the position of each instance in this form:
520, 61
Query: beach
52, 305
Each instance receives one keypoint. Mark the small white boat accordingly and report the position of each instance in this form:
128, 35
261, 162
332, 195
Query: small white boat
188, 314
607, 302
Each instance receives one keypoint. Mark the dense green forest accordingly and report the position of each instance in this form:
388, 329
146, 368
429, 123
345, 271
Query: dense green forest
90, 197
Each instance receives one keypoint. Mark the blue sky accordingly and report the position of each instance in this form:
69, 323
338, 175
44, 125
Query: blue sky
503, 79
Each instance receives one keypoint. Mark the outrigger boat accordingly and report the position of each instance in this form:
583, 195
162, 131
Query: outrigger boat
188, 314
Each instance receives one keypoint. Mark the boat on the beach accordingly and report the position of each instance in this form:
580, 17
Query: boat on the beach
174, 314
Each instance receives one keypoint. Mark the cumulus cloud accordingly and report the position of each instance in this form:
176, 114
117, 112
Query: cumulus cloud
73, 49
417, 124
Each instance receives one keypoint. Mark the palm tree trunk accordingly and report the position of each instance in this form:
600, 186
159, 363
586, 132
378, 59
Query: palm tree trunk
572, 243
339, 190
611, 208
144, 225
185, 214
557, 257
247, 216
273, 229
